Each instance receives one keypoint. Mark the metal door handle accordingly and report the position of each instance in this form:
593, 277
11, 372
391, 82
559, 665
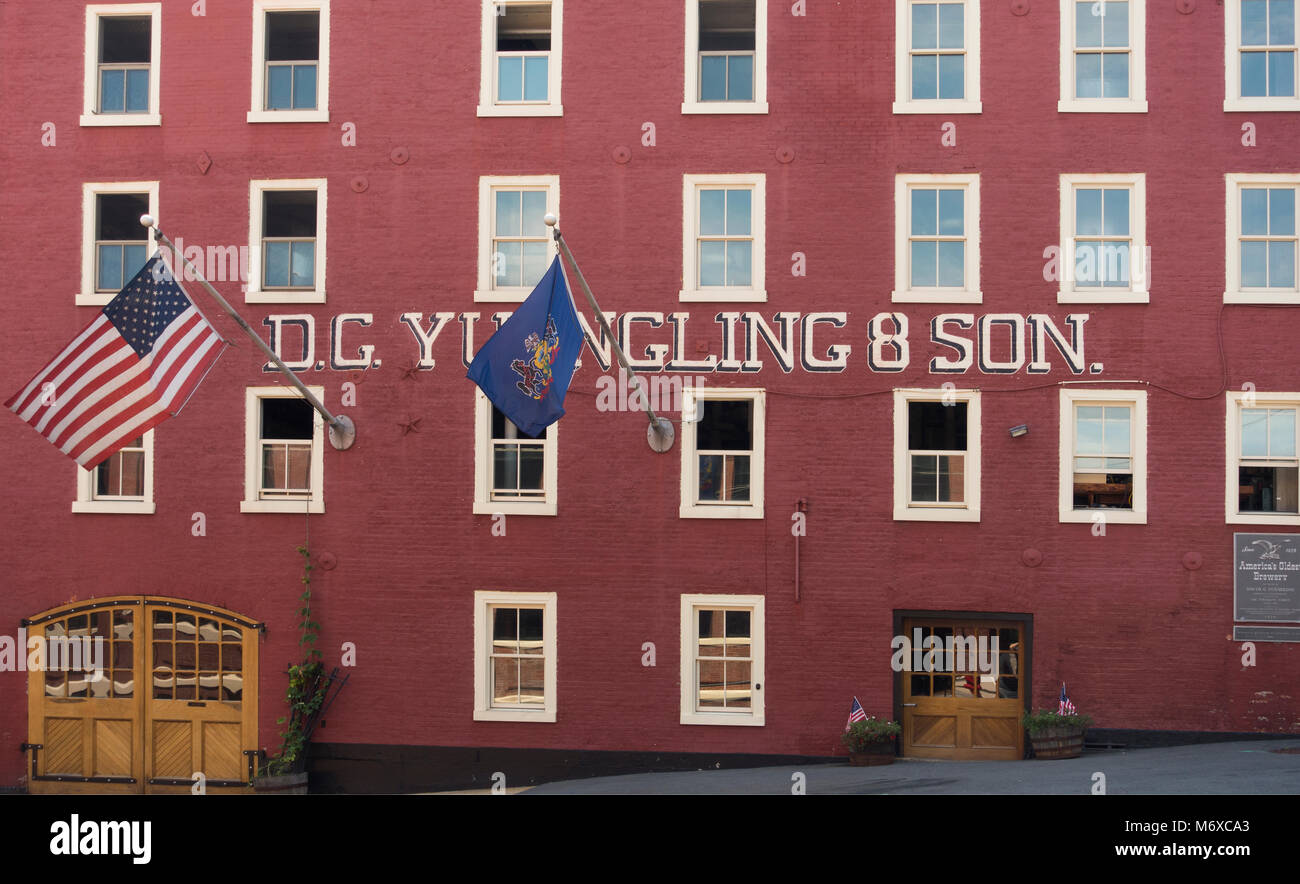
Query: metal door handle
909, 704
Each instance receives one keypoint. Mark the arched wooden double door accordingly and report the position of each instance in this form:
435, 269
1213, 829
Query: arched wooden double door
140, 693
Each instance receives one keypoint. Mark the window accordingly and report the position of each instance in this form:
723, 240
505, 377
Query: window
515, 245
722, 659
723, 256
121, 484
1103, 57
284, 464
726, 57
937, 455
1103, 455
937, 57
1261, 249
521, 57
123, 43
722, 453
1261, 458
1260, 56
114, 245
1103, 239
291, 61
936, 255
514, 656
286, 255
514, 473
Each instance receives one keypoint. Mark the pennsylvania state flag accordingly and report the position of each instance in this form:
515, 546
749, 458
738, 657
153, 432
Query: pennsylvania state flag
526, 366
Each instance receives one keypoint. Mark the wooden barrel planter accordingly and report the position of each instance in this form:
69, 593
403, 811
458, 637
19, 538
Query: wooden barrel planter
283, 784
876, 753
1058, 742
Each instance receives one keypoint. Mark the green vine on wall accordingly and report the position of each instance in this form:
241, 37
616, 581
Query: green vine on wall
308, 686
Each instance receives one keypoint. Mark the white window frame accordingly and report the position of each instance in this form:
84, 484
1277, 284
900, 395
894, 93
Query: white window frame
1137, 291
254, 293
903, 101
903, 292
1232, 100
1236, 401
484, 600
1233, 292
87, 502
90, 115
487, 103
691, 103
252, 502
689, 638
756, 292
484, 291
258, 112
1071, 397
483, 502
904, 510
88, 297
1136, 103
691, 414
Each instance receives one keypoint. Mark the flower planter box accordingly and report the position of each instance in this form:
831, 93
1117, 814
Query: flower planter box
282, 784
875, 753
1058, 742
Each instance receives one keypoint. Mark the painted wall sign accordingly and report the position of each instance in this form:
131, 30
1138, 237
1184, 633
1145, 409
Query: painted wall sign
743, 342
1266, 577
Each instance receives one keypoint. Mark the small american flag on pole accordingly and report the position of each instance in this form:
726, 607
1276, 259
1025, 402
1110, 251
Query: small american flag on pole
1064, 707
133, 367
856, 713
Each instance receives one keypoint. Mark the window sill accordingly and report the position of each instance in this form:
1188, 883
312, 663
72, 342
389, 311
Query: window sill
724, 107
1261, 298
121, 119
259, 296
1101, 106
1120, 296
699, 511
514, 508
934, 514
741, 719
936, 296
501, 296
1111, 516
521, 110
289, 116
723, 295
1261, 105
535, 715
1262, 519
315, 505
94, 299
135, 507
938, 106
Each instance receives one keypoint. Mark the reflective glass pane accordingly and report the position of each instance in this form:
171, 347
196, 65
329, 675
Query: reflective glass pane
712, 674
530, 630
505, 629
276, 272
532, 462
536, 78
112, 91
740, 78
1281, 73
1116, 212
1254, 432
505, 467
304, 86
1087, 75
1087, 429
303, 269
738, 684
739, 263
952, 76
133, 258
738, 212
510, 78
1087, 211
713, 78
710, 484
1281, 432
532, 681
1281, 264
713, 212
533, 220
713, 263
1281, 212
737, 478
1116, 440
1281, 22
507, 261
925, 26
925, 484
924, 212
952, 208
110, 268
509, 213
1254, 264
1254, 22
1114, 75
952, 264
1115, 24
535, 263
925, 76
951, 26
137, 91
279, 87
1254, 74
924, 264
1087, 24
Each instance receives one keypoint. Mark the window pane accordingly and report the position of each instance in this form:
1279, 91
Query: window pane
509, 212
110, 268
924, 264
952, 212
1254, 211
711, 480
739, 263
1281, 212
1087, 25
1115, 24
952, 76
933, 426
125, 40
277, 264
112, 91
738, 212
119, 216
1254, 432
740, 78
737, 477
533, 221
925, 76
137, 91
279, 87
1087, 211
925, 23
505, 467
1281, 22
1115, 75
303, 271
133, 258
1267, 489
924, 212
1116, 435
510, 78
535, 263
925, 483
535, 78
1254, 264
951, 26
1254, 74
289, 213
1254, 22
286, 418
952, 264
304, 86
508, 264
1087, 75
713, 212
1281, 432
1281, 73
1087, 430
532, 460
524, 27
1281, 264
713, 263
1116, 214
532, 682
725, 425
292, 36
713, 78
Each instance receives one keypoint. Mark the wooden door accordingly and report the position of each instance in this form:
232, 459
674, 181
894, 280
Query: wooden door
172, 693
962, 705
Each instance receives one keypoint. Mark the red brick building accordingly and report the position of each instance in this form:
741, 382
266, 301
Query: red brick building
870, 238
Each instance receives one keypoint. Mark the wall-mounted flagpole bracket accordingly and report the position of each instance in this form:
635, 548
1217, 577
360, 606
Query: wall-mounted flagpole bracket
660, 432
342, 431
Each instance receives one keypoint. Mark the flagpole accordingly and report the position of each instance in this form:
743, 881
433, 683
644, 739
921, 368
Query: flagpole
660, 433
342, 431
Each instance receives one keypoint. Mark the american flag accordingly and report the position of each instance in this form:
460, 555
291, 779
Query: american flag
129, 370
856, 713
1064, 707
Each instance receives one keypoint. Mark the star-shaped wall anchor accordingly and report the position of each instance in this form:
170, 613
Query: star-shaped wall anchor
411, 371
410, 426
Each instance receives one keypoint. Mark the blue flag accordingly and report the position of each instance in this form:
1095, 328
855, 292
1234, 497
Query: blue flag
525, 368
